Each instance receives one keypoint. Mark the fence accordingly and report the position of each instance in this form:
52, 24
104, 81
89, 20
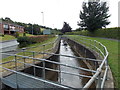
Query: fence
101, 71
29, 60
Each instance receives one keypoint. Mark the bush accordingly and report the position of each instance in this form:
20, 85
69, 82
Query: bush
16, 34
2, 35
40, 38
24, 34
24, 41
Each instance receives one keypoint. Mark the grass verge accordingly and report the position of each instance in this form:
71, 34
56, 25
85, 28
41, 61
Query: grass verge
37, 49
21, 34
7, 37
10, 37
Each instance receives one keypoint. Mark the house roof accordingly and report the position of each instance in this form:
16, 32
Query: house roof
12, 24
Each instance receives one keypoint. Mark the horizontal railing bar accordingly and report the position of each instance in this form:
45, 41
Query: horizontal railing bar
99, 70
88, 84
41, 45
28, 64
100, 51
56, 70
96, 60
80, 75
45, 81
93, 78
95, 47
70, 66
95, 75
6, 62
73, 57
56, 63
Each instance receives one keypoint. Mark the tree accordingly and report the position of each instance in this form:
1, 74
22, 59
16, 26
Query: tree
66, 28
8, 20
36, 29
33, 29
94, 15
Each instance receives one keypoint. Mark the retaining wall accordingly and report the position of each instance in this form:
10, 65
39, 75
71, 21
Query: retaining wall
49, 74
82, 51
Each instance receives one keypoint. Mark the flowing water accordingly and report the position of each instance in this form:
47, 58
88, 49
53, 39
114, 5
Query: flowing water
66, 79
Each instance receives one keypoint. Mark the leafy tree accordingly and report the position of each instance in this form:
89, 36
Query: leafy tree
66, 28
94, 15
28, 28
33, 29
9, 20
36, 29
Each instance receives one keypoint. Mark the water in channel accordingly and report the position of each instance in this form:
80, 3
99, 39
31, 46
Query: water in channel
67, 79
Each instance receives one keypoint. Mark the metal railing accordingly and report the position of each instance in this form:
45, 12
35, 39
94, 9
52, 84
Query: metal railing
102, 70
93, 45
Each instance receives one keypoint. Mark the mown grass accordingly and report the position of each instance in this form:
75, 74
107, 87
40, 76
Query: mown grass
10, 37
21, 34
37, 49
7, 37
113, 60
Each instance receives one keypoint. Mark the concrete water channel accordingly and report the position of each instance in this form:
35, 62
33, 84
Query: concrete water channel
59, 68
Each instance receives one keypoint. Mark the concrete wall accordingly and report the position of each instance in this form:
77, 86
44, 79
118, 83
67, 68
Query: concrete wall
49, 75
82, 51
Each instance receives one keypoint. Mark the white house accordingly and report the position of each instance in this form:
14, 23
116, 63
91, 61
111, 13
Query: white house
46, 32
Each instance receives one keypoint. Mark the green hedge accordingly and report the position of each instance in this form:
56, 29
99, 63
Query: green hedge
25, 41
107, 33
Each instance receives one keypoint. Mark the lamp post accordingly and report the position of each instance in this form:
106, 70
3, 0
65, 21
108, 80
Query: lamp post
32, 29
42, 17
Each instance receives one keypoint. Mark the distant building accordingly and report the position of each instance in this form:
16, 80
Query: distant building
46, 32
10, 28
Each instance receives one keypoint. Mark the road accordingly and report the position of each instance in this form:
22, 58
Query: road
8, 46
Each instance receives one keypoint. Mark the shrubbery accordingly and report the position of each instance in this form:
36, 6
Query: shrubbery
16, 34
25, 41
107, 33
2, 35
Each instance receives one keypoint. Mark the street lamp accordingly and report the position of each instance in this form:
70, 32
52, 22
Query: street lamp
42, 17
32, 29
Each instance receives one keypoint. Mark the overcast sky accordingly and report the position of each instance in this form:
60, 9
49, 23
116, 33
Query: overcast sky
55, 11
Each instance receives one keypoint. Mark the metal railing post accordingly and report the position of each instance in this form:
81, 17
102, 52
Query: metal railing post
34, 63
94, 44
85, 54
43, 51
43, 62
99, 81
43, 69
15, 63
23, 49
100, 49
107, 68
16, 70
59, 75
